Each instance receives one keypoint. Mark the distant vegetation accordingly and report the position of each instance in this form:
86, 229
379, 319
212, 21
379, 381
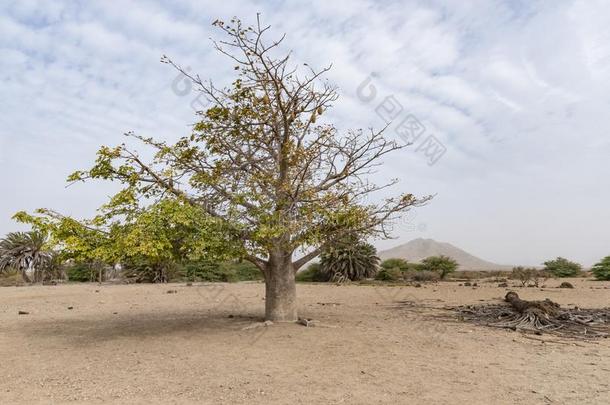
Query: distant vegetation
62, 249
26, 253
350, 259
601, 270
561, 267
312, 274
530, 275
442, 265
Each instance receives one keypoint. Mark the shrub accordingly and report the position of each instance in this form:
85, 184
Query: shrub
426, 275
351, 259
561, 267
81, 272
243, 270
311, 274
207, 271
523, 274
415, 267
228, 272
443, 265
391, 274
601, 270
400, 264
11, 278
145, 272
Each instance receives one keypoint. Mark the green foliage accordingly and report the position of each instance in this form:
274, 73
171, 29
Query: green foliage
389, 274
243, 271
350, 259
601, 270
412, 267
395, 263
561, 267
312, 274
26, 251
151, 240
228, 271
81, 272
205, 270
442, 265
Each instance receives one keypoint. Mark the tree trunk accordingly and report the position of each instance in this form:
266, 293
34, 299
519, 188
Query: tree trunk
280, 290
25, 276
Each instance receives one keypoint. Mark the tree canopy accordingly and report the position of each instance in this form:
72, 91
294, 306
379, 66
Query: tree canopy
562, 267
443, 265
264, 163
601, 270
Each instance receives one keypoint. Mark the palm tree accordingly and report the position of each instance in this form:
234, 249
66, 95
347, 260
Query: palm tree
25, 252
349, 260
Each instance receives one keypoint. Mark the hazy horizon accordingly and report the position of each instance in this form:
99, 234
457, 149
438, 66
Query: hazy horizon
515, 93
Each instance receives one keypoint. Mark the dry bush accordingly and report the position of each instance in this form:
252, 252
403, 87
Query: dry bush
11, 278
425, 275
527, 275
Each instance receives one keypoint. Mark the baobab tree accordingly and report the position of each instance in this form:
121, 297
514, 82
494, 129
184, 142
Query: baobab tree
263, 162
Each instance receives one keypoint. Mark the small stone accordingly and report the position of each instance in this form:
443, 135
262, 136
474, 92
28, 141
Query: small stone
70, 307
23, 313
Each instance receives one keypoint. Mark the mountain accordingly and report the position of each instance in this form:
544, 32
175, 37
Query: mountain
418, 249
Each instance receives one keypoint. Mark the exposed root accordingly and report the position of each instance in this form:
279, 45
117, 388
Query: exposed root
538, 317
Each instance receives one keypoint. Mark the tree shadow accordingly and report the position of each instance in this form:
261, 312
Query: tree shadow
137, 326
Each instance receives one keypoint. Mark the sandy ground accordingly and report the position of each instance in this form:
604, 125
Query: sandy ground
139, 344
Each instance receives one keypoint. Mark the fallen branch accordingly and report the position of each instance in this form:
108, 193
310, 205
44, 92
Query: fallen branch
539, 317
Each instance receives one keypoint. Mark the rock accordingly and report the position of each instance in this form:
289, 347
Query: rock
503, 285
566, 284
467, 284
172, 291
306, 322
23, 313
70, 307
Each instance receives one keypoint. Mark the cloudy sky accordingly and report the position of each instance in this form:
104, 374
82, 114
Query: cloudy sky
515, 93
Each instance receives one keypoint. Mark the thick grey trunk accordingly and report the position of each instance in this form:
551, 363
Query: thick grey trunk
280, 291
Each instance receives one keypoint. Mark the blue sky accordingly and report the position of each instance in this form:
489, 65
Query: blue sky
517, 94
